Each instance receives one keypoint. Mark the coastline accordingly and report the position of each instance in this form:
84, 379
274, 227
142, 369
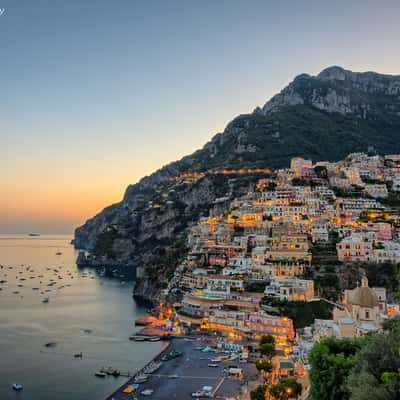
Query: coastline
130, 380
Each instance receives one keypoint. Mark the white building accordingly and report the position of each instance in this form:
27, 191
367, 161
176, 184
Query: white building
320, 231
291, 289
376, 191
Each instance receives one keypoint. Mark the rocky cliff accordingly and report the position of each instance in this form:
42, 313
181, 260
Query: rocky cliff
322, 117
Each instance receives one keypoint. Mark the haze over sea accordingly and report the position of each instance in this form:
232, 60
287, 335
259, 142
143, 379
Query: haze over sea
93, 315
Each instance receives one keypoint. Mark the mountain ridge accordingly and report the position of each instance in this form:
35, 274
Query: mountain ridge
322, 117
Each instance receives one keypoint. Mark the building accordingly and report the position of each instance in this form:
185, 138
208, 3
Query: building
197, 279
320, 231
299, 166
355, 248
386, 251
222, 282
290, 289
364, 308
376, 191
290, 247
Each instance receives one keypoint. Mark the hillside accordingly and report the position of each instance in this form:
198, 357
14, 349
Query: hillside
321, 117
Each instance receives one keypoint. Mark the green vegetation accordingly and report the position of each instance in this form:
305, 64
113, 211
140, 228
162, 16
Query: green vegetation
255, 287
267, 339
286, 389
331, 362
104, 243
267, 349
259, 392
366, 368
300, 130
393, 200
302, 313
264, 365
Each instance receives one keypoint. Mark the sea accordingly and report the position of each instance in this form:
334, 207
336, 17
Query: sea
85, 313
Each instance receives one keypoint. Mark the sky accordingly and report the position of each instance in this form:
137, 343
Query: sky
97, 94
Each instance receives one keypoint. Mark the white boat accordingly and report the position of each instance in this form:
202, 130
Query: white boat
152, 367
147, 392
17, 386
141, 378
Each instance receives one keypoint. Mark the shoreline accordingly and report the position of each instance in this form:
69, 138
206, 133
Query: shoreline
165, 346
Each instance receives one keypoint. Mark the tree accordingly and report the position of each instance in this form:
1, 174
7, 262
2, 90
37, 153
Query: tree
331, 361
267, 339
258, 393
376, 372
286, 389
264, 365
268, 349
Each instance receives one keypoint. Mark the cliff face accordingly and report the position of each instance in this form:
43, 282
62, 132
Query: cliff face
323, 118
366, 95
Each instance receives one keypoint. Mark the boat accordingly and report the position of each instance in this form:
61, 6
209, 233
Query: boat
147, 392
100, 374
17, 386
45, 300
137, 338
152, 367
141, 378
130, 388
78, 355
154, 339
34, 234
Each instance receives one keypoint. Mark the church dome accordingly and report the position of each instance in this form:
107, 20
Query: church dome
365, 297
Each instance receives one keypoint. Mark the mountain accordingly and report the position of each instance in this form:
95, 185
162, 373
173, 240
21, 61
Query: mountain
321, 117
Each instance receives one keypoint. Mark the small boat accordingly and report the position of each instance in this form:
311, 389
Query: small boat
147, 392
45, 300
141, 378
34, 234
137, 338
78, 355
100, 374
51, 344
154, 339
152, 367
17, 386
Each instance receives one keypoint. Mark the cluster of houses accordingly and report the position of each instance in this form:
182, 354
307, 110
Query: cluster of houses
261, 246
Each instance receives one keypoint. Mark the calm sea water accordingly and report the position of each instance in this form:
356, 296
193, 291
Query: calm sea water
85, 313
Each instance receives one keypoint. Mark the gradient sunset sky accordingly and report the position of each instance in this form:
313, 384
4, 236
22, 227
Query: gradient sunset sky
96, 94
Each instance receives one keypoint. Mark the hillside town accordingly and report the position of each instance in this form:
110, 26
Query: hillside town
256, 268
